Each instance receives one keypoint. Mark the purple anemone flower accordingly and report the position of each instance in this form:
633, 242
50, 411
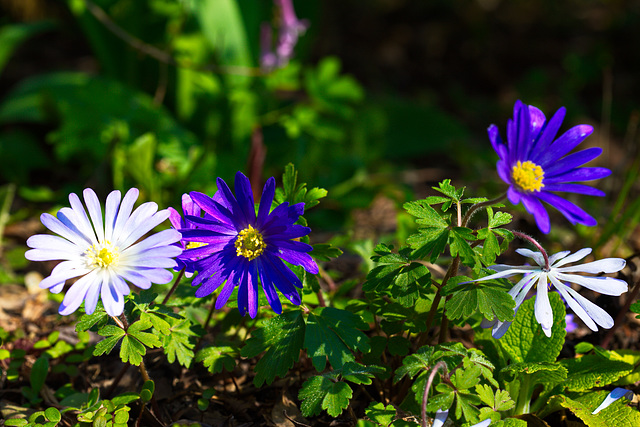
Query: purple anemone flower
192, 209
534, 165
245, 249
104, 250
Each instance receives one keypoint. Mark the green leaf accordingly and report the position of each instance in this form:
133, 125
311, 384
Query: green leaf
426, 215
617, 414
525, 341
359, 374
467, 298
218, 358
223, 26
500, 401
333, 333
113, 335
415, 363
148, 339
541, 372
589, 371
125, 398
148, 388
132, 350
449, 190
325, 251
458, 242
320, 392
87, 321
380, 414
53, 414
12, 35
179, 343
282, 338
38, 375
294, 193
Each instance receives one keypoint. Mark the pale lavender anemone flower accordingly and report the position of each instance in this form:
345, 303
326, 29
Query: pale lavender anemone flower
245, 249
178, 222
104, 251
534, 164
559, 276
290, 29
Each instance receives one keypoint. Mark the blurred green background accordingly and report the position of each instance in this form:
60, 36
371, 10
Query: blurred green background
382, 97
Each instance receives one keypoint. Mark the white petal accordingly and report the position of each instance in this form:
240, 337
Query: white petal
112, 300
573, 304
598, 315
123, 214
111, 213
139, 223
553, 258
162, 238
81, 219
58, 227
50, 255
95, 212
536, 256
607, 265
53, 243
616, 394
147, 262
603, 285
504, 267
529, 281
542, 307
441, 417
574, 257
499, 329
61, 276
483, 423
91, 299
506, 273
77, 292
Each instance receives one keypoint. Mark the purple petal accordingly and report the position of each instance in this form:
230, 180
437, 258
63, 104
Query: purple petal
535, 208
561, 146
572, 212
266, 200
577, 175
548, 134
244, 196
572, 161
575, 188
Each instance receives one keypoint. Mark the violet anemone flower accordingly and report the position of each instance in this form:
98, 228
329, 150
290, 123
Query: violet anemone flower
177, 222
104, 251
534, 164
245, 249
539, 276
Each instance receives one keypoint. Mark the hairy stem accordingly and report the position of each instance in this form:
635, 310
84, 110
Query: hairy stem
535, 243
474, 208
427, 386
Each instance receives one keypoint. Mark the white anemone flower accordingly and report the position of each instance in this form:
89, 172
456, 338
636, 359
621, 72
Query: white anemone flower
104, 251
559, 276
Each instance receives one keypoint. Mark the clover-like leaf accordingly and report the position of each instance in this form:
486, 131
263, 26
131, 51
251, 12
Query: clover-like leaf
334, 334
179, 342
218, 358
281, 339
320, 392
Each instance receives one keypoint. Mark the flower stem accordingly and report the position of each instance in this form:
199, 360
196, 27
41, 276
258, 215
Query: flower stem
175, 285
523, 403
535, 243
474, 208
427, 386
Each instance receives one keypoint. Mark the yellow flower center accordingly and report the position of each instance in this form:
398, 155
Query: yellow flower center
528, 176
102, 255
250, 243
192, 245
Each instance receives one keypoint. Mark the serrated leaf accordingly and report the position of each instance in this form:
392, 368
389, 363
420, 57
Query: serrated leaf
467, 298
217, 358
525, 341
415, 363
147, 339
467, 377
281, 338
380, 414
541, 372
617, 414
87, 321
132, 350
589, 371
179, 343
113, 335
157, 321
500, 401
359, 374
459, 245
449, 190
325, 251
321, 393
426, 214
333, 334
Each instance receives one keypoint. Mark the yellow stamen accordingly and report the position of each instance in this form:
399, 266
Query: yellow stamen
102, 255
528, 176
250, 243
192, 245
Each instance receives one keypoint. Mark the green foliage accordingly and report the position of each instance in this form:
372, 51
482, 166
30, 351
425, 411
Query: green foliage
334, 334
380, 414
133, 342
281, 338
397, 275
218, 358
466, 298
294, 193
